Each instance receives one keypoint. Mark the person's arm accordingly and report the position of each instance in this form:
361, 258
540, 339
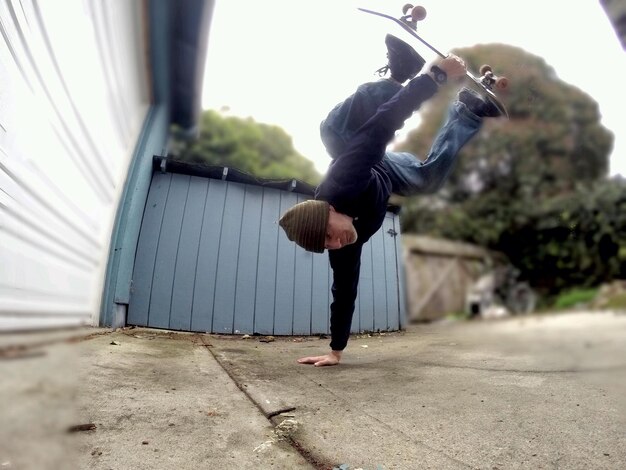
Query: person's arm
346, 265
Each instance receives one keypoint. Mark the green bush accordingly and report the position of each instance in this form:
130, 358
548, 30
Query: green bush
574, 239
575, 297
578, 239
256, 148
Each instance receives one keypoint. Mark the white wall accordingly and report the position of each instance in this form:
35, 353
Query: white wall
74, 93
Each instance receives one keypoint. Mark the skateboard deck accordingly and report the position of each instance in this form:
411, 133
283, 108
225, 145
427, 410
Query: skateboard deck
484, 83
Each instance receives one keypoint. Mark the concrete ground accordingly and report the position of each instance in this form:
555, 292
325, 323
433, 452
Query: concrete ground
536, 392
155, 400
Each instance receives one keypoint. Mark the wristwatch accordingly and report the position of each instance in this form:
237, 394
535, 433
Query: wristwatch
439, 75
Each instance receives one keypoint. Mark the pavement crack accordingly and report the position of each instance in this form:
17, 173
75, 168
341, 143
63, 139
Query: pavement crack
305, 453
280, 411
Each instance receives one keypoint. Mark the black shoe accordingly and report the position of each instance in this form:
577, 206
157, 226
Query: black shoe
477, 105
404, 61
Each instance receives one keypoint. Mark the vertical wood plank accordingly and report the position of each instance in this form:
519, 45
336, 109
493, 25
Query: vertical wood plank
401, 285
146, 250
379, 276
329, 291
204, 292
356, 318
320, 305
248, 259
224, 302
303, 280
167, 251
366, 290
391, 270
266, 267
303, 289
187, 260
285, 272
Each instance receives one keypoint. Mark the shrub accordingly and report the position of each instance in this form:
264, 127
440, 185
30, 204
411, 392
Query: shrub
575, 297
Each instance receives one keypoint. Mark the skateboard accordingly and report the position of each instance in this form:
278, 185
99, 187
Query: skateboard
487, 80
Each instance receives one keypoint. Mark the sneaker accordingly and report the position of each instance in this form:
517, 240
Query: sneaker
404, 61
478, 105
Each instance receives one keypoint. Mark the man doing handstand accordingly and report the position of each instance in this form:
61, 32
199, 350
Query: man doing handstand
351, 202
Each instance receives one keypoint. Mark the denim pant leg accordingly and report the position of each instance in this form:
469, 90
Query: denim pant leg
411, 176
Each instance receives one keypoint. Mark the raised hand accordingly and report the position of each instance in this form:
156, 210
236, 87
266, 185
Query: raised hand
453, 66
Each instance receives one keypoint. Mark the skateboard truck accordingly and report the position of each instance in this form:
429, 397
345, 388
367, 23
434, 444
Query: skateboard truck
412, 14
490, 80
486, 82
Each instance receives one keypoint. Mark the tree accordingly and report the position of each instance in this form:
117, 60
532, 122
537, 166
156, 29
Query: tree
577, 239
517, 175
553, 139
259, 149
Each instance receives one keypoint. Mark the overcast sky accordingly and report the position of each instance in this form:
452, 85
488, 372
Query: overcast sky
288, 62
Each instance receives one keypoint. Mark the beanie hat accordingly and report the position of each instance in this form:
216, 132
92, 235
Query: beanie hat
404, 61
305, 224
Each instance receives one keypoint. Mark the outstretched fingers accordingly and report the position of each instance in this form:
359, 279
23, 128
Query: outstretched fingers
319, 361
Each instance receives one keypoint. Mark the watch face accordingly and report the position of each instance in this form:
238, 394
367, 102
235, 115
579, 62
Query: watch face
440, 76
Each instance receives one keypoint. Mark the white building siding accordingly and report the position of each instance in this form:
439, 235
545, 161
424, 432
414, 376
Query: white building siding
73, 97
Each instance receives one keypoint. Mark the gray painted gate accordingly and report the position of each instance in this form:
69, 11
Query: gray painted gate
211, 258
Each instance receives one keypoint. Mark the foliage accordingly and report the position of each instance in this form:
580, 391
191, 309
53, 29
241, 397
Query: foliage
552, 140
259, 149
576, 239
458, 316
533, 187
575, 297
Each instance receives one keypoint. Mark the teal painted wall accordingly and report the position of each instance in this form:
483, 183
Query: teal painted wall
152, 141
117, 286
211, 258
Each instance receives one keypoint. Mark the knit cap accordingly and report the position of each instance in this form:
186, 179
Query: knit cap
305, 223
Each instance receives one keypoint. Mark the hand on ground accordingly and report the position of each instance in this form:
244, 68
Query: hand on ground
330, 359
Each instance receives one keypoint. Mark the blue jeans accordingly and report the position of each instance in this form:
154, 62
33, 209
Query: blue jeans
411, 176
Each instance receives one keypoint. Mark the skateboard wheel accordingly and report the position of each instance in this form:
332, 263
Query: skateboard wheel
484, 69
502, 83
418, 13
406, 8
